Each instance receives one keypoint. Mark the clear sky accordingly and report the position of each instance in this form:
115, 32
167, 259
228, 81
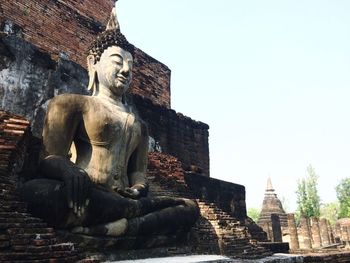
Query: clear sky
271, 78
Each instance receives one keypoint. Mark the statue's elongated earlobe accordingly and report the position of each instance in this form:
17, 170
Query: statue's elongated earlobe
91, 62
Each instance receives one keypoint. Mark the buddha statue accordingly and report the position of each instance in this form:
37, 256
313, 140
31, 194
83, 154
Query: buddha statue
92, 177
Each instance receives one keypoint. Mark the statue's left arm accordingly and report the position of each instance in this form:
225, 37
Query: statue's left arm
137, 166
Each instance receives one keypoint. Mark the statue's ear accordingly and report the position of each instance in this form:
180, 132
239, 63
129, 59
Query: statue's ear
91, 63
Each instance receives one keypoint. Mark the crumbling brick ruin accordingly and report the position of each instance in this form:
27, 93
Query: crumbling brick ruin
23, 238
40, 57
313, 235
41, 44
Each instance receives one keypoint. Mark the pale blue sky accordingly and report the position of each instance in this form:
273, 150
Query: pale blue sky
271, 78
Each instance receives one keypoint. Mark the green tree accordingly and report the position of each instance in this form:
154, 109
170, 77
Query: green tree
308, 199
343, 195
254, 213
330, 211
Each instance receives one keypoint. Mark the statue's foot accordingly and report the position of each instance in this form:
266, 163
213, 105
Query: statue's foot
116, 228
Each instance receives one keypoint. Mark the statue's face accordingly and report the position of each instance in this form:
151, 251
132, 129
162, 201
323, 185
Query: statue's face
114, 70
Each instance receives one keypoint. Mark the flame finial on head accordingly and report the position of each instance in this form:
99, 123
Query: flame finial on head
110, 37
113, 23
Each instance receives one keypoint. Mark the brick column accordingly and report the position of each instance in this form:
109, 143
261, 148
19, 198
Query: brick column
330, 232
276, 228
293, 234
316, 235
324, 232
337, 233
305, 232
348, 241
344, 234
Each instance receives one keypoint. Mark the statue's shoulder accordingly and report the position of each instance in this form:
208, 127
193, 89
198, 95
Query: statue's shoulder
69, 102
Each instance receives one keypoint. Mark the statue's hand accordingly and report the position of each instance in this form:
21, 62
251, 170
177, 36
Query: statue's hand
129, 193
78, 186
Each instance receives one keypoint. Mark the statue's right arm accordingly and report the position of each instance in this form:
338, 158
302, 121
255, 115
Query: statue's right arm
62, 119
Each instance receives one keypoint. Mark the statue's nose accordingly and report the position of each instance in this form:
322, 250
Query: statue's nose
125, 70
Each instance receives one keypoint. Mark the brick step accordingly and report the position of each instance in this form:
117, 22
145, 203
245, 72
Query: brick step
22, 220
31, 231
9, 197
47, 256
17, 215
18, 225
7, 186
4, 179
43, 242
13, 206
31, 240
63, 247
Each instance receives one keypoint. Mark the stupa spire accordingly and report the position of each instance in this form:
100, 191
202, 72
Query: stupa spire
269, 187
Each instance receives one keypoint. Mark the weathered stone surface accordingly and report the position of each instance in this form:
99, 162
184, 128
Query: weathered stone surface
105, 180
276, 228
217, 231
331, 257
324, 232
31, 78
305, 233
293, 233
67, 28
315, 230
177, 135
228, 196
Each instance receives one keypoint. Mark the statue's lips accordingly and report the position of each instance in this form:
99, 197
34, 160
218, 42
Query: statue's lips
122, 79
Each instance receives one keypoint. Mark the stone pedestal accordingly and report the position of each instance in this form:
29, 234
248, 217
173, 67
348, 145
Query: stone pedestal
305, 232
316, 234
292, 228
324, 232
276, 228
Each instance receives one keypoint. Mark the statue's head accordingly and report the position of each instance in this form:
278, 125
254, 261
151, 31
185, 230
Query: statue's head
110, 60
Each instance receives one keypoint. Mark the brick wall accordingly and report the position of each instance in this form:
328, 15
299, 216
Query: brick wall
227, 196
23, 238
31, 79
69, 26
177, 135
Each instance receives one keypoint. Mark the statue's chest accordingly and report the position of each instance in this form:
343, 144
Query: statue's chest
111, 127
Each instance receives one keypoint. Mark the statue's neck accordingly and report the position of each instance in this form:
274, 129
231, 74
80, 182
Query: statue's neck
107, 95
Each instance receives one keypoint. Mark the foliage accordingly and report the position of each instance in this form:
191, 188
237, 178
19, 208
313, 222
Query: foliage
330, 211
254, 213
308, 199
343, 194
